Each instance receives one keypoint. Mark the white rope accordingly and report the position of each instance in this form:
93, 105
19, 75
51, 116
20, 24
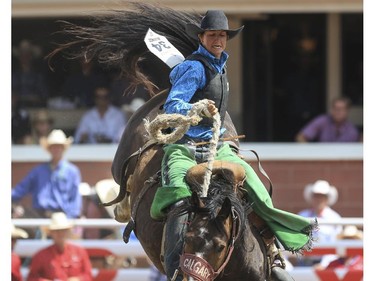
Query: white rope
212, 153
181, 124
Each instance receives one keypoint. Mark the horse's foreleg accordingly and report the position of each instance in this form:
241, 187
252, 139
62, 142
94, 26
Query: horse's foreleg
122, 210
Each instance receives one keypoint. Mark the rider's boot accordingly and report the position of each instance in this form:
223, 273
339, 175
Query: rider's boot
276, 261
175, 228
278, 272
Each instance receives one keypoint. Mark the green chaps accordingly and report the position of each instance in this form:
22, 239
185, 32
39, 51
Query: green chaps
293, 231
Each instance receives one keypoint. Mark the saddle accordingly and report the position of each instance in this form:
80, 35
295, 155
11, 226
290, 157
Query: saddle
195, 175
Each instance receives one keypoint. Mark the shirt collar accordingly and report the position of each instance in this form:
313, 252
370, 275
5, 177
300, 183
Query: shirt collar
59, 164
221, 62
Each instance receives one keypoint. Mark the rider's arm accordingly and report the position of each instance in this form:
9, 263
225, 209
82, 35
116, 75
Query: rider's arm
186, 79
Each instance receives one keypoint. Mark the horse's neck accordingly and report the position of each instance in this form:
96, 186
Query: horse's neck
249, 252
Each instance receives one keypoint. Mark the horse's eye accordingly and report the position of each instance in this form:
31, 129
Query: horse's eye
220, 248
219, 245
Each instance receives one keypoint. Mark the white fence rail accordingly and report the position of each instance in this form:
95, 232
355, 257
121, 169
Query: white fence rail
111, 223
298, 273
28, 247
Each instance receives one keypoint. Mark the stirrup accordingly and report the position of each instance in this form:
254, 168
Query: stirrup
274, 255
278, 260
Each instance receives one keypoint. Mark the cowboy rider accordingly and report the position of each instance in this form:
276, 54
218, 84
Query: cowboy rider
203, 75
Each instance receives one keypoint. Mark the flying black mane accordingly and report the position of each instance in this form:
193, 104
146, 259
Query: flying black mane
116, 39
221, 187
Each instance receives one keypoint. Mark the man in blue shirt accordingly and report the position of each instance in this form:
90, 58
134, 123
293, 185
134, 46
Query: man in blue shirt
53, 185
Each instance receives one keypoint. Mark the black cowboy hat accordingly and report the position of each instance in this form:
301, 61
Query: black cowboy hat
213, 20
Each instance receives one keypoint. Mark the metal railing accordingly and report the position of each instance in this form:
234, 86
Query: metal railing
116, 247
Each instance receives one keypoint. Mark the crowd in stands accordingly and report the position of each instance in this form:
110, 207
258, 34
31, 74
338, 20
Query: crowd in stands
100, 94
79, 89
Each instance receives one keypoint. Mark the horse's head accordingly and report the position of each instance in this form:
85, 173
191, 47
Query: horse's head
216, 223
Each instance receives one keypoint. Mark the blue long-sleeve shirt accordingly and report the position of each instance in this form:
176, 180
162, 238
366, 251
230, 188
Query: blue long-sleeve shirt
52, 189
186, 78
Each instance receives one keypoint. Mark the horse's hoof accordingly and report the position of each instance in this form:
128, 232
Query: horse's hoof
280, 274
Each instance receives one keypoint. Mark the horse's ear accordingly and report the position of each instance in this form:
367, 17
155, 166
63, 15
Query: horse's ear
226, 210
195, 200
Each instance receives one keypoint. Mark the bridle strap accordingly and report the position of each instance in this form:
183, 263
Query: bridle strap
235, 230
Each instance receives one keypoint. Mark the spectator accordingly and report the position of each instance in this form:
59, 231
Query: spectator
61, 260
321, 196
79, 86
104, 191
101, 124
352, 262
27, 81
21, 123
129, 109
332, 127
123, 92
16, 260
41, 126
54, 184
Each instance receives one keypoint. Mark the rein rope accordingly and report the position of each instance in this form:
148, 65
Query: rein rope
181, 124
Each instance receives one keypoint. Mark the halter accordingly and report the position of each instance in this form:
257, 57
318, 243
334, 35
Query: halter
199, 268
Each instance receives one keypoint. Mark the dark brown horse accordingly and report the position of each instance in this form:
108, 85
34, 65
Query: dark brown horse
135, 167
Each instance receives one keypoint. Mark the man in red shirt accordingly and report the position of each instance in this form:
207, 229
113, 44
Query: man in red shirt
62, 261
351, 262
16, 260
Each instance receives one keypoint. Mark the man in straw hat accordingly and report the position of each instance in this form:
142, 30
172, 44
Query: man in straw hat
54, 185
16, 260
203, 75
104, 191
320, 195
62, 260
